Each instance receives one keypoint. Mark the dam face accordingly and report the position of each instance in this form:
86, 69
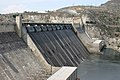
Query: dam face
17, 61
58, 44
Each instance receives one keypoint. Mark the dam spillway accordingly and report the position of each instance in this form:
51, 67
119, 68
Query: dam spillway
58, 44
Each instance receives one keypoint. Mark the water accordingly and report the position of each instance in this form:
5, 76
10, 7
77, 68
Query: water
101, 67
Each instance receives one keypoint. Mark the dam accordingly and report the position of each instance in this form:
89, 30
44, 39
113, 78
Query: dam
42, 51
58, 44
17, 61
35, 51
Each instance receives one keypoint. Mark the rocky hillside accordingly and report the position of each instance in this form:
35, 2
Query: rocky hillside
109, 23
7, 18
107, 18
113, 5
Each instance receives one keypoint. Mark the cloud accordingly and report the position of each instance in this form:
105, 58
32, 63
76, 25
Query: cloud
13, 9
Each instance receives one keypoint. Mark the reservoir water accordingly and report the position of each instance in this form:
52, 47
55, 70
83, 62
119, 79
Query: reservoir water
105, 66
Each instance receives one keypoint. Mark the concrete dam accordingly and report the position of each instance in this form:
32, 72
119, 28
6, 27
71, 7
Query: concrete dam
58, 43
35, 51
17, 61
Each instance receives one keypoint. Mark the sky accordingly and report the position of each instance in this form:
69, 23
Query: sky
11, 6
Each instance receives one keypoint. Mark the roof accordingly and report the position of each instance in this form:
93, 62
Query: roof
63, 73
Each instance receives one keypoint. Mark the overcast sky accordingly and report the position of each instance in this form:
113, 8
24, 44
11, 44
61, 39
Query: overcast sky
9, 6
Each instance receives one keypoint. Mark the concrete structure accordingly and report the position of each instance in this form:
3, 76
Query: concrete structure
49, 47
17, 61
7, 27
57, 43
50, 69
26, 37
94, 45
85, 18
18, 28
98, 44
65, 73
22, 32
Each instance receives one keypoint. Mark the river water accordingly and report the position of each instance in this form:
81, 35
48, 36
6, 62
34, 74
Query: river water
101, 67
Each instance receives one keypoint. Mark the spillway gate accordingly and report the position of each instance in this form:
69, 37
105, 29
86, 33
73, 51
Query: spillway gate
58, 43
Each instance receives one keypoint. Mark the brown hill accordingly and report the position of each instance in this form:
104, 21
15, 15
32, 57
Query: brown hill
112, 5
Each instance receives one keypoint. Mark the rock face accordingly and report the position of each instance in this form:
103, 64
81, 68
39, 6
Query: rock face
112, 2
113, 5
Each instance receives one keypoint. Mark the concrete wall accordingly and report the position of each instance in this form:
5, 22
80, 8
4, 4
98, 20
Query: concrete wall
65, 73
7, 27
90, 44
50, 69
21, 31
73, 76
99, 44
19, 25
